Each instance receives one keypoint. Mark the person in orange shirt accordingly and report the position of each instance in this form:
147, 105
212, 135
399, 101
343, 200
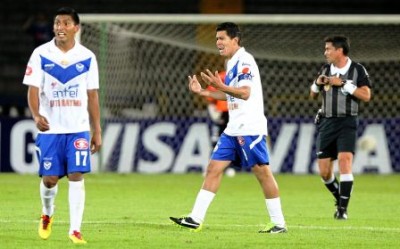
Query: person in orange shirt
218, 111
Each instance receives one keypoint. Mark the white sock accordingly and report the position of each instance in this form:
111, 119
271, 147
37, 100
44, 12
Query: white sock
203, 201
346, 177
275, 211
76, 197
48, 196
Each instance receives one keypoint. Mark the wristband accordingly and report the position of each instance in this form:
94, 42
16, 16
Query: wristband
314, 88
349, 88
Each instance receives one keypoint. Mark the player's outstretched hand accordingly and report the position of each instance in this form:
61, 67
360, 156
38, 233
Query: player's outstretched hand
212, 79
194, 84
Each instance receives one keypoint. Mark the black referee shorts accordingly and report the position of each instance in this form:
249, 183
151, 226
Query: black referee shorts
336, 134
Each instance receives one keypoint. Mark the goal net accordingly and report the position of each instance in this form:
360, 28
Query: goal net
145, 59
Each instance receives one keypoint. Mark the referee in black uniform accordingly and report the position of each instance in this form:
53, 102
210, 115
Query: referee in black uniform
342, 84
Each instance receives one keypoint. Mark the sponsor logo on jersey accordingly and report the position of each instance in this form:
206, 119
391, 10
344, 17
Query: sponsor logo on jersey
28, 70
233, 106
49, 66
246, 70
81, 144
73, 86
65, 102
66, 92
245, 74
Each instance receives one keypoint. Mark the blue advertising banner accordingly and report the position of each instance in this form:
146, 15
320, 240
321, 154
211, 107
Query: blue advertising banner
183, 145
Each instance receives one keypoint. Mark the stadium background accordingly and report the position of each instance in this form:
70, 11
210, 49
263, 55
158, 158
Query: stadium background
139, 100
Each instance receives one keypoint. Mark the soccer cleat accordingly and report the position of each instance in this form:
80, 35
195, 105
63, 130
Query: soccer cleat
340, 214
187, 222
45, 226
77, 238
272, 228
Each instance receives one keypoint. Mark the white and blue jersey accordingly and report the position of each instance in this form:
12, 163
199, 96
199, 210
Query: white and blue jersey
244, 139
246, 117
63, 80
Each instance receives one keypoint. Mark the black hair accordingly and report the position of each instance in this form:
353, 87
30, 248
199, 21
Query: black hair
232, 30
339, 42
69, 11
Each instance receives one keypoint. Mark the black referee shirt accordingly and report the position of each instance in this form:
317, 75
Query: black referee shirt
335, 103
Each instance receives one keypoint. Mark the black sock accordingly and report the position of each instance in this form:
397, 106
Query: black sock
345, 192
333, 187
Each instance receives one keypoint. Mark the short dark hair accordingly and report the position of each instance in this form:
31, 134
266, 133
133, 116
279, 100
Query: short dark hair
339, 41
232, 30
69, 11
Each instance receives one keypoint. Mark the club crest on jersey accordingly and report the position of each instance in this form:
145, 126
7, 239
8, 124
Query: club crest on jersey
79, 67
230, 75
47, 165
241, 140
81, 144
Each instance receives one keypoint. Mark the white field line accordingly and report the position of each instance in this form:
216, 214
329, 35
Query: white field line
306, 227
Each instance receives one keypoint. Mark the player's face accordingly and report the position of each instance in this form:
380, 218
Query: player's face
226, 45
331, 53
64, 28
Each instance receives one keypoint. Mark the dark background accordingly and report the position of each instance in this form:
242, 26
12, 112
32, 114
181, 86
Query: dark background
16, 44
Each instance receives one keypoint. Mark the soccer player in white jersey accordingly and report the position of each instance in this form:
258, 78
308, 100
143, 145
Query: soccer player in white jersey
244, 139
63, 80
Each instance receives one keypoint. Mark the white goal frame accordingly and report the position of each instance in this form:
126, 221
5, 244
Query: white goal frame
241, 18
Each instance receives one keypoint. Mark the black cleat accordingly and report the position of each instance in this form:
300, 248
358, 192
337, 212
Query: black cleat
340, 214
187, 222
271, 228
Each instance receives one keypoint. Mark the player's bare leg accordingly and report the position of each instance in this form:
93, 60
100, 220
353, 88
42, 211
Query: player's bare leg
211, 184
270, 189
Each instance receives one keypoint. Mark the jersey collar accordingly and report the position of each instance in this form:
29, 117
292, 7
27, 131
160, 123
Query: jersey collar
236, 56
54, 48
343, 70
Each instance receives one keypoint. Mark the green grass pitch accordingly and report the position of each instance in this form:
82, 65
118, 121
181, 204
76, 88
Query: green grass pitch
132, 210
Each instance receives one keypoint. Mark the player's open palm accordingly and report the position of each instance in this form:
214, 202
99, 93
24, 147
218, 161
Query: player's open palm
194, 84
212, 79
